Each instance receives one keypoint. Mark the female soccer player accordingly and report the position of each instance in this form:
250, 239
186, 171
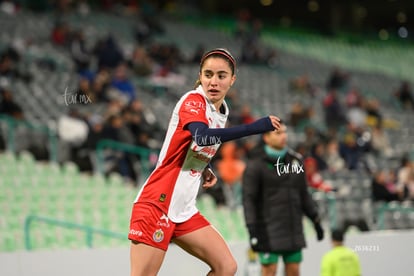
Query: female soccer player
165, 209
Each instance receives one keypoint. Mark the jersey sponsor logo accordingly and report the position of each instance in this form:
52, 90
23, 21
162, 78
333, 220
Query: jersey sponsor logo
194, 172
202, 157
211, 151
158, 235
194, 106
204, 154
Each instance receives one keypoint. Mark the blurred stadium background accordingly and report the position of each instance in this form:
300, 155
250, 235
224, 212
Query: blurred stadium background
87, 88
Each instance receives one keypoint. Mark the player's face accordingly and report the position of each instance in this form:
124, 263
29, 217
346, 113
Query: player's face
216, 78
276, 139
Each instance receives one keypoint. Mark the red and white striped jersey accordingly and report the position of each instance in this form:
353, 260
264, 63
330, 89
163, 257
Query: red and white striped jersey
175, 181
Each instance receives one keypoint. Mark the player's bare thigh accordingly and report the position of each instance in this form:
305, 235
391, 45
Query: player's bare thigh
145, 260
209, 246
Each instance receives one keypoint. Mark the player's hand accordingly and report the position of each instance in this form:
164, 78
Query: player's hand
275, 121
258, 237
209, 178
319, 230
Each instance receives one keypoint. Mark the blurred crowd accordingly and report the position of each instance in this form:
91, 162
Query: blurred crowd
354, 137
354, 131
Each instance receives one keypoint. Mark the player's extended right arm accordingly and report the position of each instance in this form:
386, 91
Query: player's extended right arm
205, 136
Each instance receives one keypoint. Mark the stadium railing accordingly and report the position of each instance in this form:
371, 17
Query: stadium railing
89, 231
144, 153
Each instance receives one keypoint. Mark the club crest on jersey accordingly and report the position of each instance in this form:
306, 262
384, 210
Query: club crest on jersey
158, 235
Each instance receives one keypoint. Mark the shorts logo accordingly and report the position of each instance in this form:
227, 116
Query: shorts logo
135, 232
164, 221
158, 235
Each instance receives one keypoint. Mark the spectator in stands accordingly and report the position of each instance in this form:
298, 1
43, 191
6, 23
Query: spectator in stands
79, 52
115, 129
373, 111
141, 63
246, 114
167, 56
243, 18
242, 114
275, 199
405, 177
235, 104
300, 116
302, 149
8, 106
122, 162
380, 190
349, 151
100, 85
108, 53
337, 80
164, 210
302, 84
198, 53
318, 152
122, 82
143, 121
72, 130
96, 124
9, 60
85, 92
405, 96
333, 109
312, 137
166, 73
82, 154
61, 34
314, 178
380, 142
356, 113
7, 66
253, 51
355, 143
340, 260
142, 31
354, 98
114, 107
332, 157
392, 184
